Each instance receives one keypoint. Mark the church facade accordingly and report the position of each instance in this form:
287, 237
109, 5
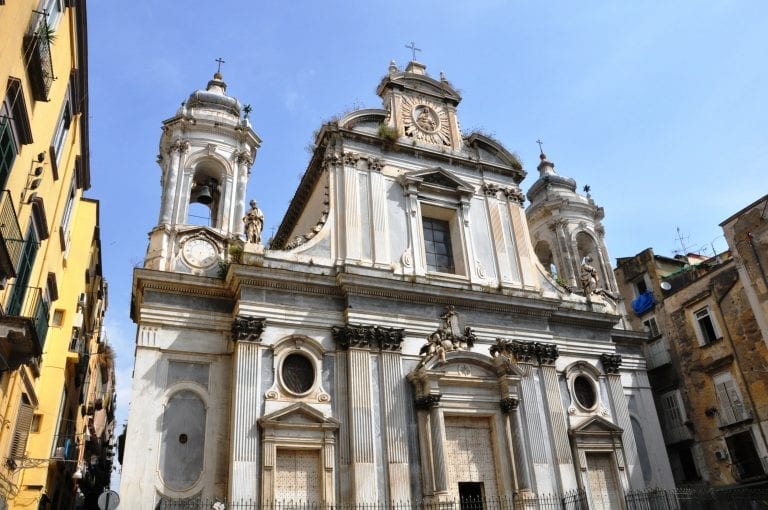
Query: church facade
411, 333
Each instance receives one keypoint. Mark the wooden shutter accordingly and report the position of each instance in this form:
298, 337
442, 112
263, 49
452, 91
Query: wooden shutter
21, 434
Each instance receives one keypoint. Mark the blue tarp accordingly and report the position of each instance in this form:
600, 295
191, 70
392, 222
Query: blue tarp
643, 302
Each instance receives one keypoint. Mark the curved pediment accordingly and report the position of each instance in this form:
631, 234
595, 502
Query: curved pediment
368, 116
421, 84
494, 152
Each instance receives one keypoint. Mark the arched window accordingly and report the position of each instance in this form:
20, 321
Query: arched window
183, 440
544, 254
205, 194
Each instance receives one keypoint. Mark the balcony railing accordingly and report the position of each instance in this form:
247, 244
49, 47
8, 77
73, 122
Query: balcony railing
657, 353
11, 241
40, 64
676, 433
28, 306
730, 415
750, 468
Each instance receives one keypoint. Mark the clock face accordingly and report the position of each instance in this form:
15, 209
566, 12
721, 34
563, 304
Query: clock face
199, 252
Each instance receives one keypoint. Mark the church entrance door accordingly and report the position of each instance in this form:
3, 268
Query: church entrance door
603, 485
297, 477
470, 458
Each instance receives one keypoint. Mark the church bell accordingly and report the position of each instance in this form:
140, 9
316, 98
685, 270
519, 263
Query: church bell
204, 195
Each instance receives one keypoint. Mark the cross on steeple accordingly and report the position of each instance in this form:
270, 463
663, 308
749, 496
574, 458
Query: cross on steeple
413, 49
220, 61
540, 144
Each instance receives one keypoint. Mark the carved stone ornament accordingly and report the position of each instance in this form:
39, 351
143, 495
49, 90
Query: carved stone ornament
179, 145
299, 240
514, 194
426, 121
509, 404
427, 402
448, 337
351, 158
332, 159
611, 363
525, 352
247, 329
374, 337
243, 157
375, 164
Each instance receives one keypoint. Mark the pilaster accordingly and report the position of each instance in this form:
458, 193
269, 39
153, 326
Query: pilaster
611, 365
246, 461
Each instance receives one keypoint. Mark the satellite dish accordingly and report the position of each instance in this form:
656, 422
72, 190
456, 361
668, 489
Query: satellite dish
665, 286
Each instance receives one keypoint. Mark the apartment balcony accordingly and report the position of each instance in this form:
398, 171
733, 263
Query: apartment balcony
40, 66
11, 241
676, 434
657, 353
732, 415
23, 326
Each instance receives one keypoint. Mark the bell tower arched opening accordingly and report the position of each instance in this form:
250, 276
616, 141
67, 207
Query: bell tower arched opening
205, 195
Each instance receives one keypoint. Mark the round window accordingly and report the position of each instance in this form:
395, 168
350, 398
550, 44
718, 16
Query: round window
298, 373
585, 392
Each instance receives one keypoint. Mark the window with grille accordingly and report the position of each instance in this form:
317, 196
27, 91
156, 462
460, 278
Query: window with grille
437, 245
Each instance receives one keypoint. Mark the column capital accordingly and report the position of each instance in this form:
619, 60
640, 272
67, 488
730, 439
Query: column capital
509, 404
427, 401
611, 363
248, 329
368, 337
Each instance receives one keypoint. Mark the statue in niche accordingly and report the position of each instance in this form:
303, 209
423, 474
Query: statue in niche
254, 224
588, 276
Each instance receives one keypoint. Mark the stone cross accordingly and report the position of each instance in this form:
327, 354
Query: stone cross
413, 49
220, 61
540, 144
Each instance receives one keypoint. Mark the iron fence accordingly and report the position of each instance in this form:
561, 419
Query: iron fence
575, 500
698, 499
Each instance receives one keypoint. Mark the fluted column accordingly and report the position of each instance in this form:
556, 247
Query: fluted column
361, 426
170, 178
393, 394
246, 463
536, 429
352, 241
611, 364
238, 207
562, 448
520, 462
381, 254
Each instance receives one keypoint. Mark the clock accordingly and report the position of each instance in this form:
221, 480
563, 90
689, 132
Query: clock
199, 252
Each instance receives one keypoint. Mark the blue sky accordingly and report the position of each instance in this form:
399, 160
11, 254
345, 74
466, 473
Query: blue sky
660, 107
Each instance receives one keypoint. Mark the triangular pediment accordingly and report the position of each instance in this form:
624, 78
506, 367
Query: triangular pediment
597, 425
440, 178
298, 414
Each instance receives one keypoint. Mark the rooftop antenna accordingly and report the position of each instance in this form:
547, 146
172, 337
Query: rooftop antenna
684, 248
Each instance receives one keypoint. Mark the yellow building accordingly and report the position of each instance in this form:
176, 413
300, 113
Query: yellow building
52, 296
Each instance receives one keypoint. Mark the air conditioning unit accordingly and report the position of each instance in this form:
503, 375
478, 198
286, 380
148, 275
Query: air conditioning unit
721, 454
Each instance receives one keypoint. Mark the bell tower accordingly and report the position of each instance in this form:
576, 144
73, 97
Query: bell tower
206, 152
567, 231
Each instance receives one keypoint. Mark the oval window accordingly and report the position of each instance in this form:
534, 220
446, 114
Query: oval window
585, 392
298, 373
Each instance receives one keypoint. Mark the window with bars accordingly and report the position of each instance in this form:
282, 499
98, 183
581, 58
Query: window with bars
437, 245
